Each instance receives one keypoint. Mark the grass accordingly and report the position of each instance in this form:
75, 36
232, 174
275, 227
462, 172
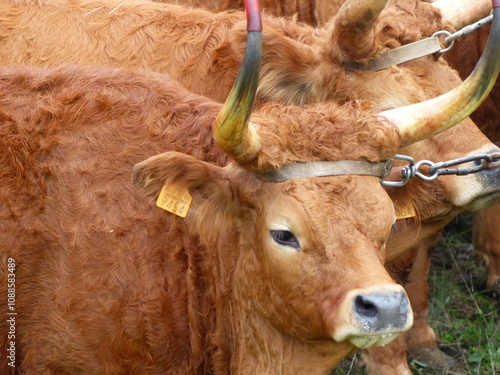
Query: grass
465, 317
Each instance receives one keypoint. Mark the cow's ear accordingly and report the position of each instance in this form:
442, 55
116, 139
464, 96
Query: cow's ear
172, 168
207, 184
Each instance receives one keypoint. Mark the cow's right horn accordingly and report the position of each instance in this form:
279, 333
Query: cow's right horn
353, 27
460, 13
423, 120
231, 129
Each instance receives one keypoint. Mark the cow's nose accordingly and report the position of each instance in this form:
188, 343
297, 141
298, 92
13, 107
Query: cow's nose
372, 316
378, 312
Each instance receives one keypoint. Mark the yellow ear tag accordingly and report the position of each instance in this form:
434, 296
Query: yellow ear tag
404, 210
174, 200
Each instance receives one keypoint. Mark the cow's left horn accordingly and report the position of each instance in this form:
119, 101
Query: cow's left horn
353, 27
231, 129
423, 120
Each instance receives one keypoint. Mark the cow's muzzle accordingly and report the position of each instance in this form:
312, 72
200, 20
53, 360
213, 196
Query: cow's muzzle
489, 180
373, 316
480, 190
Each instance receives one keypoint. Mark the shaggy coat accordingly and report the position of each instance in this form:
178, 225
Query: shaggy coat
312, 12
203, 51
301, 64
108, 283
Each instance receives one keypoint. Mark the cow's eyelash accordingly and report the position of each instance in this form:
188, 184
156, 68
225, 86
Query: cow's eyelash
286, 238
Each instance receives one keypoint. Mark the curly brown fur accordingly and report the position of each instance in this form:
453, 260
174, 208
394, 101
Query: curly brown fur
109, 283
300, 65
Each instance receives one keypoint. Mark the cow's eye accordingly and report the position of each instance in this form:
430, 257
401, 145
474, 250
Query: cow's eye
285, 237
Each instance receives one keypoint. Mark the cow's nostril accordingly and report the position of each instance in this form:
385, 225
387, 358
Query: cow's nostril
381, 311
365, 308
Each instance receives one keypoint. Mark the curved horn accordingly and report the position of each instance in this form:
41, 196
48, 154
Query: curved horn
423, 120
353, 28
231, 129
460, 13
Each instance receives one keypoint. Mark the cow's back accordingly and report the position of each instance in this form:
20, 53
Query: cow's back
136, 34
305, 10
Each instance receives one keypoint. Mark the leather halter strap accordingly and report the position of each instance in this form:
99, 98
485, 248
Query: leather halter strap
420, 48
401, 54
326, 168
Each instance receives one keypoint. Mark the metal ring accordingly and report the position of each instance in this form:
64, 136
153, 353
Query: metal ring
406, 173
448, 34
423, 176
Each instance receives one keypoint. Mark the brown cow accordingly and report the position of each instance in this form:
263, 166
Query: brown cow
249, 277
203, 50
421, 342
300, 64
462, 57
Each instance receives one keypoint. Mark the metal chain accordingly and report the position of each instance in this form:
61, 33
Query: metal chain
415, 50
485, 161
450, 38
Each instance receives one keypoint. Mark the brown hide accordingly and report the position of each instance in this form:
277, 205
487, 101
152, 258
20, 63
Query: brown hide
300, 65
312, 12
486, 240
299, 62
108, 283
462, 57
304, 9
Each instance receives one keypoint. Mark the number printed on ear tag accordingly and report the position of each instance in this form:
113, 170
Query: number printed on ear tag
404, 210
174, 200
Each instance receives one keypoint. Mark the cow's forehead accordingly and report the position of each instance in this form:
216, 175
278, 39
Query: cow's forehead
322, 132
325, 202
